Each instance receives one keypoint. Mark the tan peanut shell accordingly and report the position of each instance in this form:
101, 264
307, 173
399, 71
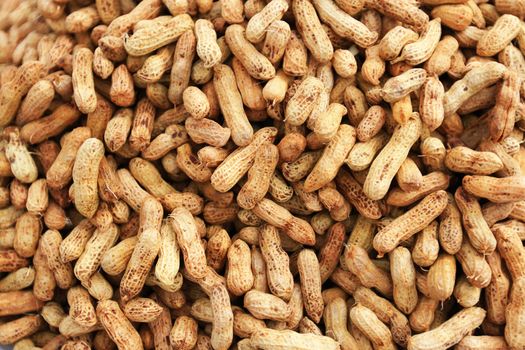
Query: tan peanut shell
405, 226
344, 24
369, 275
60, 172
474, 81
332, 159
450, 332
63, 273
118, 327
388, 161
181, 69
185, 229
280, 279
482, 342
474, 265
239, 276
22, 165
276, 215
85, 173
231, 105
456, 17
426, 247
353, 191
441, 277
314, 37
271, 339
403, 279
500, 35
19, 328
302, 102
504, 190
83, 84
477, 228
257, 25
257, 65
12, 92
207, 48
464, 160
431, 103
509, 249
421, 50
310, 277
90, 259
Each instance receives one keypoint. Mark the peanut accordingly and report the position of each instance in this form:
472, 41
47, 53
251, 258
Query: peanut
474, 81
368, 323
481, 342
454, 16
257, 65
280, 279
403, 279
474, 265
354, 193
369, 275
500, 35
239, 276
450, 332
314, 37
95, 248
118, 327
344, 24
431, 103
80, 308
466, 294
303, 101
207, 48
404, 227
36, 102
477, 229
334, 154
12, 92
181, 68
389, 160
441, 60
231, 105
504, 111
398, 87
336, 315
504, 190
310, 277
20, 328
394, 40
441, 277
50, 246
257, 25
514, 315
23, 167
266, 306
509, 249
274, 214
60, 172
259, 177
83, 83
185, 229
85, 174
421, 50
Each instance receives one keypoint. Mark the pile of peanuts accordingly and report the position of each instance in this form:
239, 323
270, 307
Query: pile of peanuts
267, 174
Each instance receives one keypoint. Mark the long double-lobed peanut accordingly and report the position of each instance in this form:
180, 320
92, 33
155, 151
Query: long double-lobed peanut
388, 161
411, 222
